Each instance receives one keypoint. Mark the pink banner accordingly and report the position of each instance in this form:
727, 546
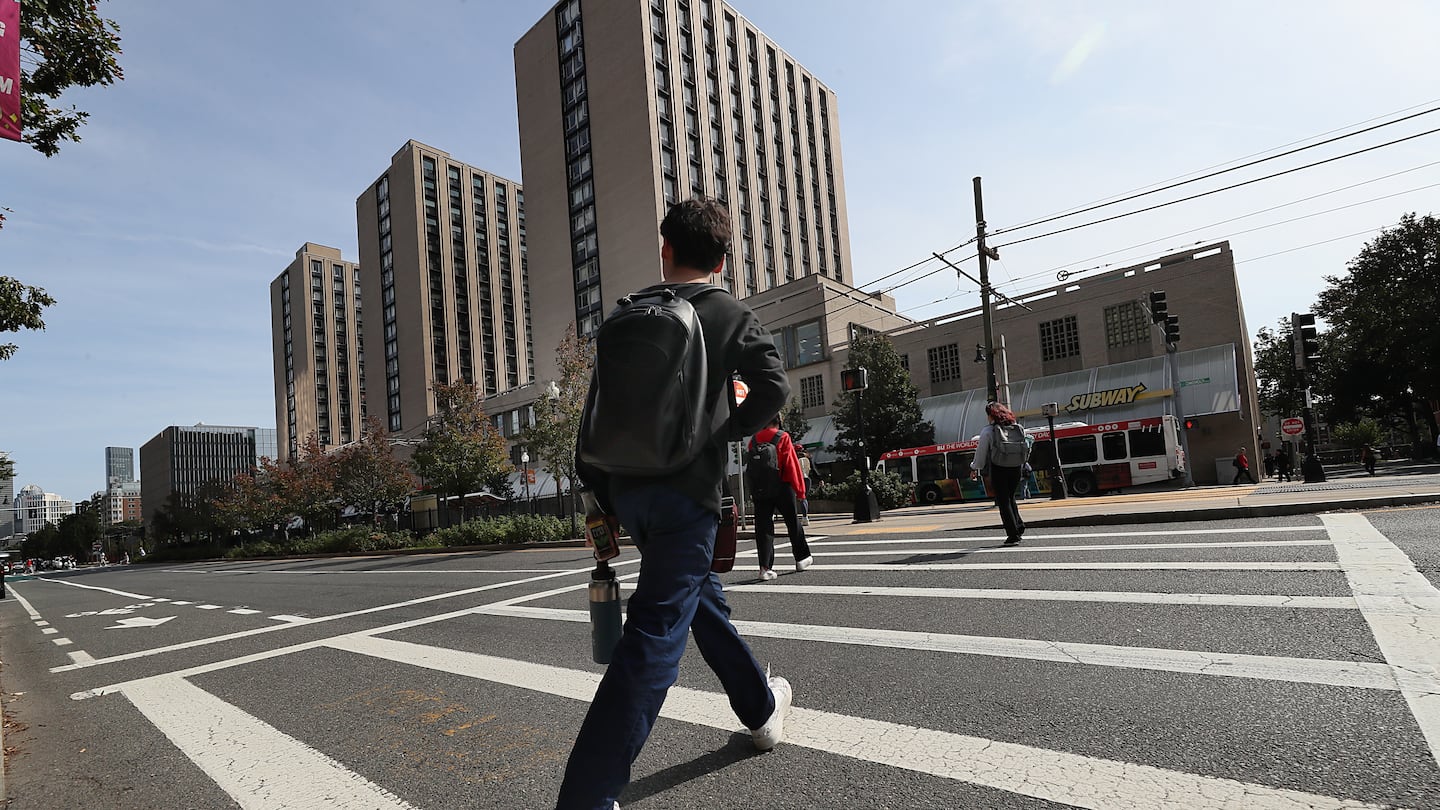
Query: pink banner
10, 69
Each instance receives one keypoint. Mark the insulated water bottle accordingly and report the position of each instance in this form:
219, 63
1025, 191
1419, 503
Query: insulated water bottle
604, 612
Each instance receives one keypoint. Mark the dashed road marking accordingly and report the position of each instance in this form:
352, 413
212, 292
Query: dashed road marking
80, 657
1029, 771
1403, 610
62, 642
285, 617
243, 611
257, 764
49, 631
1353, 674
181, 602
1132, 597
42, 623
210, 607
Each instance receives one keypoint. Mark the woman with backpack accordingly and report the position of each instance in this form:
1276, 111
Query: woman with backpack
999, 456
773, 473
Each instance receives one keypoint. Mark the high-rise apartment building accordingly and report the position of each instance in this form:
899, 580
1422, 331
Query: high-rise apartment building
319, 350
119, 464
186, 459
442, 250
627, 106
8, 506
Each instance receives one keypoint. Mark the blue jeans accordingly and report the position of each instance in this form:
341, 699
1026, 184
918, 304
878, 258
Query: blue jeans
675, 595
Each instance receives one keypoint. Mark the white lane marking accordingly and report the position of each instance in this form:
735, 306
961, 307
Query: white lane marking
138, 621
25, 603
200, 642
80, 657
178, 602
1403, 610
243, 611
1031, 536
49, 631
1026, 549
1055, 776
158, 599
256, 764
62, 642
42, 623
308, 573
209, 607
821, 565
1353, 674
93, 588
1133, 597
285, 617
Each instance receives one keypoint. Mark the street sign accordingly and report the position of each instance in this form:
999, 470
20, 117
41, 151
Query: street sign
1293, 426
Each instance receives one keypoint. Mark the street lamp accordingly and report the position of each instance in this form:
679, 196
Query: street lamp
525, 472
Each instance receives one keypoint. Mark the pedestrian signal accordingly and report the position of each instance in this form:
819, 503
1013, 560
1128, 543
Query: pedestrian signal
854, 379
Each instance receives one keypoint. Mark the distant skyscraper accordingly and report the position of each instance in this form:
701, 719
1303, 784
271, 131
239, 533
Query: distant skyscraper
626, 107
186, 459
319, 351
119, 464
7, 503
442, 255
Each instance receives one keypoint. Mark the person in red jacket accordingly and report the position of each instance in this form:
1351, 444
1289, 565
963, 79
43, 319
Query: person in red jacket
791, 488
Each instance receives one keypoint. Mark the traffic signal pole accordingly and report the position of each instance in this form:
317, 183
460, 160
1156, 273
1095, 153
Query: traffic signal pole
1306, 345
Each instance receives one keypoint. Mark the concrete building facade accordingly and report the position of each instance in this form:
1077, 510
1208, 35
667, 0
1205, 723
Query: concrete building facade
185, 460
627, 106
445, 283
316, 327
36, 508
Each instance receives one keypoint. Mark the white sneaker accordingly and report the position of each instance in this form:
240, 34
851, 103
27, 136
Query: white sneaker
801, 565
768, 574
804, 520
768, 735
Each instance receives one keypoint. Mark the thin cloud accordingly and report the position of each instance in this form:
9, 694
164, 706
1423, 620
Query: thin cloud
1078, 54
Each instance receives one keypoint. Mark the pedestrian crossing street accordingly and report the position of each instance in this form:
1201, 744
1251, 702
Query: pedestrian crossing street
1326, 612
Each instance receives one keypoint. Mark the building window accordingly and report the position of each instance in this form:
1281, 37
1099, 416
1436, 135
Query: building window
944, 363
1059, 339
1126, 324
812, 391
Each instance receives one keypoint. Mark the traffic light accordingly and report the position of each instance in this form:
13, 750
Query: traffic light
1304, 340
1172, 329
1159, 310
1189, 424
854, 379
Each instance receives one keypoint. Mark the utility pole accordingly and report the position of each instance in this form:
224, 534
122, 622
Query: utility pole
986, 253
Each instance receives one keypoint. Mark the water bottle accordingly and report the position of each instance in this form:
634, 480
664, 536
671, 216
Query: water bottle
604, 612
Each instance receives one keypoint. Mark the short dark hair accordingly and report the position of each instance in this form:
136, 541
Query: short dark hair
698, 231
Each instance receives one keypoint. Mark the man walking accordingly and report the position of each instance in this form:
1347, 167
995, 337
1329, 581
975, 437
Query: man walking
1242, 467
776, 483
673, 518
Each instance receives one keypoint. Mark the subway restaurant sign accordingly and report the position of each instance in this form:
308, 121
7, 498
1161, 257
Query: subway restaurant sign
1105, 399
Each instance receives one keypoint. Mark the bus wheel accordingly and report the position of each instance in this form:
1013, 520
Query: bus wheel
931, 495
1082, 484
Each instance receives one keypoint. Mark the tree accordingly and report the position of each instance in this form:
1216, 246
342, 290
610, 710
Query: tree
892, 405
20, 308
253, 501
368, 476
63, 44
1383, 352
793, 421
1280, 386
556, 431
307, 484
461, 448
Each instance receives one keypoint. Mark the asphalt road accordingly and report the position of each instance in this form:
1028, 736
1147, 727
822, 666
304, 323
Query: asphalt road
1273, 663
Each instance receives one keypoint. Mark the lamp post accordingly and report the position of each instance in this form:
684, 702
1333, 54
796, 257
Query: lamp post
1057, 473
525, 471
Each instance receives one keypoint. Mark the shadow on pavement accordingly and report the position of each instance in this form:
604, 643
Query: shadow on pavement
739, 748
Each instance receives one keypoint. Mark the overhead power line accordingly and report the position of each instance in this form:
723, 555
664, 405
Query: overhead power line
1246, 165
1230, 187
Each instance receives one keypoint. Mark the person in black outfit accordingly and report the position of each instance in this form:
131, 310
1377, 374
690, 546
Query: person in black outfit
1003, 480
792, 488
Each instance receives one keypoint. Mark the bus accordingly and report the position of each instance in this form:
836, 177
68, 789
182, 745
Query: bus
1095, 458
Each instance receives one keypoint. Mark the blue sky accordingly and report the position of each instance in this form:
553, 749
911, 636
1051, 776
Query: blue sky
242, 131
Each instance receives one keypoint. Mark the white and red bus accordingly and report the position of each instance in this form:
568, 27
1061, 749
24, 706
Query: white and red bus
1096, 458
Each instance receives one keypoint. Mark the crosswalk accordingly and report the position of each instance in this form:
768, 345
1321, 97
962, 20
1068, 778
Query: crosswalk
263, 766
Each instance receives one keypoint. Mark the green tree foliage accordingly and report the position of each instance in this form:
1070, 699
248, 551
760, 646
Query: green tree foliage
892, 407
63, 44
1382, 350
1358, 434
461, 448
793, 421
368, 476
1281, 387
556, 431
21, 307
7, 467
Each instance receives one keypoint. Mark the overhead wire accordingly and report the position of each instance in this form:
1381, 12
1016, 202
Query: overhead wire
1145, 193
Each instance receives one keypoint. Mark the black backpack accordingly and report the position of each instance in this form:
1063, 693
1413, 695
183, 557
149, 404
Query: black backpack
762, 468
649, 412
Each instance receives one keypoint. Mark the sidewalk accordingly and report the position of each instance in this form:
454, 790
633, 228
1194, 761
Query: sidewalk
1269, 498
